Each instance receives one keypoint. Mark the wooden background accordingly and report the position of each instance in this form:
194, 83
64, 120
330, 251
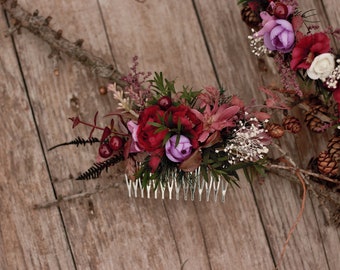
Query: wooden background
198, 43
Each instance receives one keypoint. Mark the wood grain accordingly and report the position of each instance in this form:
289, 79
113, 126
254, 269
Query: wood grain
278, 212
198, 43
29, 239
103, 229
181, 30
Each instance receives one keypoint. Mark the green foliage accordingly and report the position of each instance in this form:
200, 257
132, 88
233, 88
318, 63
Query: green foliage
190, 96
243, 2
161, 86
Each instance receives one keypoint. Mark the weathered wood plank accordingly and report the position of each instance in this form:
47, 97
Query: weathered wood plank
167, 37
329, 235
29, 239
278, 201
108, 230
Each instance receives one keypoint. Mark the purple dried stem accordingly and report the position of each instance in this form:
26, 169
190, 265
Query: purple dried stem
135, 80
288, 76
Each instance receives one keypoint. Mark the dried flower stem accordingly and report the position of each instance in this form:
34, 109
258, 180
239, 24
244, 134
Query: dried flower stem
298, 218
305, 172
287, 159
39, 26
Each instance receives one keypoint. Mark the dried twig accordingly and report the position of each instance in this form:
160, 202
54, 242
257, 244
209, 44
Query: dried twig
61, 199
39, 26
302, 181
305, 172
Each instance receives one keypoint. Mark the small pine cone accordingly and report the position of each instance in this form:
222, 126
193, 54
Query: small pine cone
314, 123
327, 166
291, 124
333, 147
275, 130
251, 18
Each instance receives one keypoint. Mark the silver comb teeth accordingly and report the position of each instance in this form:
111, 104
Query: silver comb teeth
188, 189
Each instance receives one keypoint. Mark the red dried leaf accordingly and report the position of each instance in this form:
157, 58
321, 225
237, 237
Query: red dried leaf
75, 121
106, 133
127, 147
213, 139
192, 163
297, 22
130, 168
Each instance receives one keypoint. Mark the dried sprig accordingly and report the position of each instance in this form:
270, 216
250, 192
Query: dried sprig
77, 141
95, 171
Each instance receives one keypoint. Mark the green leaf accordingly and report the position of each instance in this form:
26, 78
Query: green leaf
247, 174
161, 86
155, 124
179, 125
177, 139
166, 138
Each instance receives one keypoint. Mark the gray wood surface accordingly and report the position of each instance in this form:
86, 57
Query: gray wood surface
198, 43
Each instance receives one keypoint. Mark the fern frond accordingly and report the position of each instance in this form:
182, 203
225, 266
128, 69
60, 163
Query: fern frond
97, 168
77, 141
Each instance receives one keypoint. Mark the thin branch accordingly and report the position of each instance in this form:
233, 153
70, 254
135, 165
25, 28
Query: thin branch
61, 199
287, 159
39, 26
305, 172
298, 218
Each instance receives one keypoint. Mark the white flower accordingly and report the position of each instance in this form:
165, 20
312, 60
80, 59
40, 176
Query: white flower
321, 67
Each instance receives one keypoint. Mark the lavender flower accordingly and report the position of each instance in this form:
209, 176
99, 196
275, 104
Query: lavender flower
178, 152
278, 34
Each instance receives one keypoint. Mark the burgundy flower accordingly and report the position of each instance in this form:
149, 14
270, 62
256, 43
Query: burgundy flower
149, 139
307, 48
191, 126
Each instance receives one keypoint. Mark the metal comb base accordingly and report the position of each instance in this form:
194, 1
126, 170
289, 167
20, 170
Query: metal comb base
197, 188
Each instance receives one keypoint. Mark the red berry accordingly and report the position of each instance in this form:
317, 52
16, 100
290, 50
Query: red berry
116, 143
280, 11
164, 102
105, 150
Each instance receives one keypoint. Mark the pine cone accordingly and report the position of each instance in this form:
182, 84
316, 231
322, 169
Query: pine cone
291, 124
314, 123
333, 147
275, 130
327, 166
251, 18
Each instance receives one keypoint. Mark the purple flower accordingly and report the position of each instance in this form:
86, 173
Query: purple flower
178, 152
278, 34
132, 127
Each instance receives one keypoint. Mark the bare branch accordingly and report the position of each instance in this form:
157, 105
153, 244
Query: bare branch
39, 26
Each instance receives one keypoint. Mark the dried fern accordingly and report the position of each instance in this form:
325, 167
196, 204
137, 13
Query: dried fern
97, 168
77, 141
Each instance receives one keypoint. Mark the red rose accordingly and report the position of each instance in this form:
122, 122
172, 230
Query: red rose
307, 48
148, 137
191, 126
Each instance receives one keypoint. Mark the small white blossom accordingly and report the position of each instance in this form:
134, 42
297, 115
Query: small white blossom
332, 80
257, 45
248, 143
